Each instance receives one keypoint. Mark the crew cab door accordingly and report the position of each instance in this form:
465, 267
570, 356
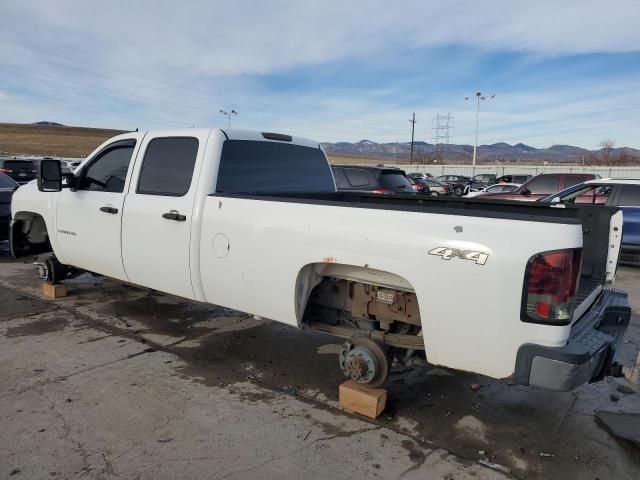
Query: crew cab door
88, 220
156, 225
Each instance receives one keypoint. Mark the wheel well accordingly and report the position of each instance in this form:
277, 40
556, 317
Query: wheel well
29, 234
353, 289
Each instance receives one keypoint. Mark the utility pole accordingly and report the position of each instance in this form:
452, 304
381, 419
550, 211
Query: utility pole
228, 115
479, 98
413, 127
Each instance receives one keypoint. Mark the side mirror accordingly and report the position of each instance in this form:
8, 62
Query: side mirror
526, 191
49, 176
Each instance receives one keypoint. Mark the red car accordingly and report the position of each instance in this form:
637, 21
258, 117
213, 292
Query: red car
543, 185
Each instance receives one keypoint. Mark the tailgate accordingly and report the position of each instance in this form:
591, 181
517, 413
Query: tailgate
602, 238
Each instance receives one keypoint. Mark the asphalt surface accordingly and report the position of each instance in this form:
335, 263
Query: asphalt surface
120, 382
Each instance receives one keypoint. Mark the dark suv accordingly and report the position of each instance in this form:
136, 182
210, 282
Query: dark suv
22, 171
384, 180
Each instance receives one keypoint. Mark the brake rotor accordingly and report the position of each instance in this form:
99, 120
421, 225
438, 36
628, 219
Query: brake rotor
364, 361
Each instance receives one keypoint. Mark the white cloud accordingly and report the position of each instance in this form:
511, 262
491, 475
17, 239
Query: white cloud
248, 37
158, 63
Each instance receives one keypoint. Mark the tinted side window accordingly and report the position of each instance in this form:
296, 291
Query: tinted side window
570, 181
108, 171
544, 185
630, 196
341, 180
167, 166
248, 166
357, 177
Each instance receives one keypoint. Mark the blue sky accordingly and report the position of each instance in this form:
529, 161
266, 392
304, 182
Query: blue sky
562, 72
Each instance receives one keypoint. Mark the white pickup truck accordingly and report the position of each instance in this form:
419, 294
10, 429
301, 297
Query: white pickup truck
252, 221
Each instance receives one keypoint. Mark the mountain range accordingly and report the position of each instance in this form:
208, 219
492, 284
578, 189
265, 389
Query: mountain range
453, 152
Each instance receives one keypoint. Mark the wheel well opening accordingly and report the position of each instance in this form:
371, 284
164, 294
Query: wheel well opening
29, 235
345, 300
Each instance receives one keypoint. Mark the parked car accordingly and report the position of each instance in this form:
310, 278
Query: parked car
384, 180
542, 185
252, 221
482, 180
514, 178
458, 183
435, 188
7, 187
22, 171
419, 186
417, 175
624, 194
497, 188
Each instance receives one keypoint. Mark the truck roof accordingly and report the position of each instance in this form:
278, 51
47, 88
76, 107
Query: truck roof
234, 134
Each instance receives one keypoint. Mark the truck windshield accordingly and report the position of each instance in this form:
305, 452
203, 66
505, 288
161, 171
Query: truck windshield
248, 166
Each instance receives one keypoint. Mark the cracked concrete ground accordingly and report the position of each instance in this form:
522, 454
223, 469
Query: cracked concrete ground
121, 382
83, 394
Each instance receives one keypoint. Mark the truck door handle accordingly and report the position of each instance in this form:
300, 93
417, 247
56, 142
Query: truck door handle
174, 215
109, 210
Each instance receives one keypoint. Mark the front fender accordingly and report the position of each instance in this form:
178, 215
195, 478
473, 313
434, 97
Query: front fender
28, 202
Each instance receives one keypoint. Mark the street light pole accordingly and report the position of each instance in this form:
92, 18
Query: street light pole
475, 145
228, 115
413, 127
479, 98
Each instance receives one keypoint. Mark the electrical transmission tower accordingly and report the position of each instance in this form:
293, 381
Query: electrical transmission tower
442, 135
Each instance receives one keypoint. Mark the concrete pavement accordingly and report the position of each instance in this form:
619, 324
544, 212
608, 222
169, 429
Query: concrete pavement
121, 382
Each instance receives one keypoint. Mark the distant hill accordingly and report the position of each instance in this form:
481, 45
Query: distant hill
47, 139
51, 124
52, 138
494, 152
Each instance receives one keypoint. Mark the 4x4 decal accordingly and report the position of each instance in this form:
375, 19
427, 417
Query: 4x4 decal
448, 253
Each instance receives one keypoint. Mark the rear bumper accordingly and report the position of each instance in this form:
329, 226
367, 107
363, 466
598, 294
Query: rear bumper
588, 354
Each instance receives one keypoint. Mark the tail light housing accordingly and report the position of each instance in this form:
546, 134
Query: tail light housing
550, 287
5, 170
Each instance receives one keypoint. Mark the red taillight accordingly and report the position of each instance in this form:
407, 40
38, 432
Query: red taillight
5, 170
416, 187
382, 190
551, 282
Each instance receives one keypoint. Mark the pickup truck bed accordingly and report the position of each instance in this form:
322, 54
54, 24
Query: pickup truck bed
594, 220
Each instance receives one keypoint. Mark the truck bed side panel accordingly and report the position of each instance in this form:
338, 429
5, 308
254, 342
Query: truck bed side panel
252, 251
